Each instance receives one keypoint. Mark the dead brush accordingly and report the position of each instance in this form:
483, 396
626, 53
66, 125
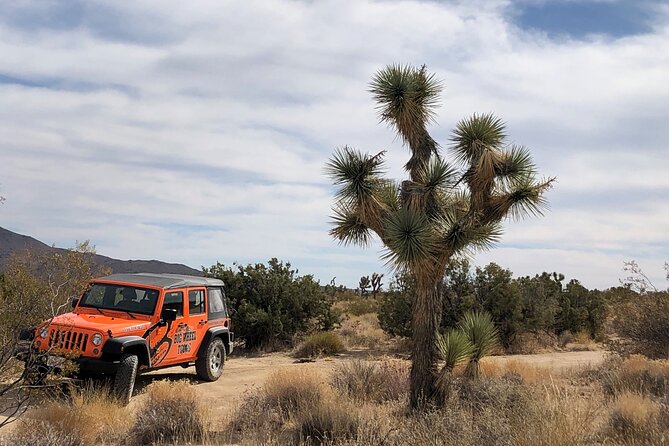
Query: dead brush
556, 416
527, 373
635, 417
363, 331
330, 422
39, 433
372, 381
170, 413
294, 389
90, 416
636, 374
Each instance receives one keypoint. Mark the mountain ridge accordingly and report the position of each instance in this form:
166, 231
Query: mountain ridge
12, 242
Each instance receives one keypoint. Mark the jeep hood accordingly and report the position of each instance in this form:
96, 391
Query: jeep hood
102, 323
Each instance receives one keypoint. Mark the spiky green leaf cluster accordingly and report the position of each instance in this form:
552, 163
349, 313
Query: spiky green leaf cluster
483, 334
454, 348
443, 209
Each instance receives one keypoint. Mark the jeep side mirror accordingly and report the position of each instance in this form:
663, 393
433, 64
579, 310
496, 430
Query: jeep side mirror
75, 301
169, 314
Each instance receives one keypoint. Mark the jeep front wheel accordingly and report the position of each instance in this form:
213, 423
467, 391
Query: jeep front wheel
124, 382
210, 365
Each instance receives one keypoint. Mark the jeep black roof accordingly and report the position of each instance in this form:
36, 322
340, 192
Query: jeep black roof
165, 281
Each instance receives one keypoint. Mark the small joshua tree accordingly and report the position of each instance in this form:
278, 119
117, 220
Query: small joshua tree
376, 283
364, 285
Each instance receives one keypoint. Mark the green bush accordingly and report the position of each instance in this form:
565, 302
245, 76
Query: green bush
272, 303
527, 304
323, 343
643, 325
360, 306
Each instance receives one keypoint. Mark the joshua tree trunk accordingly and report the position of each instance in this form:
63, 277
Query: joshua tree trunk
426, 314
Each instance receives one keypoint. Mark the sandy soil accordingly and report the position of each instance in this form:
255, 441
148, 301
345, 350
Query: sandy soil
244, 373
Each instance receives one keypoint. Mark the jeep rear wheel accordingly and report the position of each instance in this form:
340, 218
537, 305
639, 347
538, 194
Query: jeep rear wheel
124, 382
210, 365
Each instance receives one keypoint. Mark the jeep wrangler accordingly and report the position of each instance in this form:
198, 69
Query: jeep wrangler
129, 323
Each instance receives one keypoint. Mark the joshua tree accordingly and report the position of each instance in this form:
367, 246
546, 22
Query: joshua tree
441, 210
376, 283
364, 284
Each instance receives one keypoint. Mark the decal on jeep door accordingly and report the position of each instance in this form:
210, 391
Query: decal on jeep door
183, 338
162, 347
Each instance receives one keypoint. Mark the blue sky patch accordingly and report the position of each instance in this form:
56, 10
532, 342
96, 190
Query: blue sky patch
579, 19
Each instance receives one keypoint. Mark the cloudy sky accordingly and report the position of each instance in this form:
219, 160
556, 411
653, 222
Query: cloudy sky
197, 131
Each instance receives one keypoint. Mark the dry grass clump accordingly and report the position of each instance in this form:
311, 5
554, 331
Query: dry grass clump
294, 389
39, 433
371, 381
527, 373
363, 331
635, 374
634, 416
330, 422
324, 343
171, 413
90, 416
294, 405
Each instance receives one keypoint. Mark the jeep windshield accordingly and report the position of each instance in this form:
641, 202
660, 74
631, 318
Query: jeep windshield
129, 299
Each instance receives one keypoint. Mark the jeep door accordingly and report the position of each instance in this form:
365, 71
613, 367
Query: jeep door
196, 324
164, 338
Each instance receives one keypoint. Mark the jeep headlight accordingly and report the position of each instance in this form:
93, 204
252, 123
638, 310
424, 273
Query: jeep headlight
44, 333
97, 339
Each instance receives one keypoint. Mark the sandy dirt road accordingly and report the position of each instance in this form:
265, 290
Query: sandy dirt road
242, 374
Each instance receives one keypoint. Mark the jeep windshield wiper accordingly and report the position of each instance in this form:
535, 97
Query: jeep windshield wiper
128, 313
99, 311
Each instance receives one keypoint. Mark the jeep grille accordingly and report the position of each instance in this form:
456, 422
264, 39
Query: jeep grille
68, 340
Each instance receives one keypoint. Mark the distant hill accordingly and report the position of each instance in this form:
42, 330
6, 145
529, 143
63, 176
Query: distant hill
11, 242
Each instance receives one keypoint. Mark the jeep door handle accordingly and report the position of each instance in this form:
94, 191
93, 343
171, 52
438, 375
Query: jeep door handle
202, 322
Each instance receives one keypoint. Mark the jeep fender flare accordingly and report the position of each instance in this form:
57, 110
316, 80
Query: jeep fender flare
217, 332
115, 347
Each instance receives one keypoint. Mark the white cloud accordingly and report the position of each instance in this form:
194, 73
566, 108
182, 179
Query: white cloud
197, 131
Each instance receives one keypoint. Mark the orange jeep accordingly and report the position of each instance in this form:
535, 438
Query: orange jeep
128, 323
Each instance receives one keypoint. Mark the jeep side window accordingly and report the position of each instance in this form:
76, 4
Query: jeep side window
174, 301
216, 303
195, 301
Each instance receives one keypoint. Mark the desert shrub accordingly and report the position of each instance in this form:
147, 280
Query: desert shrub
634, 417
372, 381
294, 389
394, 309
644, 326
362, 331
265, 413
271, 302
634, 374
515, 370
360, 306
39, 433
323, 343
530, 343
89, 417
170, 413
330, 422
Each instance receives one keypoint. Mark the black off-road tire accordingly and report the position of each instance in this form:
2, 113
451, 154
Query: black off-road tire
209, 366
124, 382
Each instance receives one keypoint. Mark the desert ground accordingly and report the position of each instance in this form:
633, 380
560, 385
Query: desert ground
245, 373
